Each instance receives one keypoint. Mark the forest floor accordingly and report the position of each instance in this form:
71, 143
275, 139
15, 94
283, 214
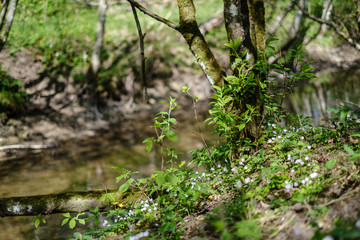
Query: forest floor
54, 113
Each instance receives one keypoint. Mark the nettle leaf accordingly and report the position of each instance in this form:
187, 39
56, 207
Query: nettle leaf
160, 179
171, 136
123, 188
37, 222
330, 164
81, 221
72, 223
173, 179
149, 146
64, 221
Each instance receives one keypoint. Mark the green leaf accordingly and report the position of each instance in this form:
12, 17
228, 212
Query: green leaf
348, 149
330, 164
81, 221
171, 136
123, 188
241, 126
37, 222
160, 179
149, 145
72, 223
66, 215
43, 220
343, 115
173, 179
96, 221
64, 221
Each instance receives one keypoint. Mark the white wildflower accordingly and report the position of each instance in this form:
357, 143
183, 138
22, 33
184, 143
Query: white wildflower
313, 175
307, 179
296, 184
307, 158
302, 138
328, 237
212, 169
238, 184
357, 223
247, 180
309, 147
246, 167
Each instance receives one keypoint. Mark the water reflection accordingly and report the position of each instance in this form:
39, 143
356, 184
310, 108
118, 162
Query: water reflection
84, 164
329, 90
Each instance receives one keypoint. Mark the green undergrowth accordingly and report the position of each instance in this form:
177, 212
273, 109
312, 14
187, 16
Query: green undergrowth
12, 96
240, 198
242, 189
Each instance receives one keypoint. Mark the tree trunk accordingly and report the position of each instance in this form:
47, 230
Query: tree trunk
95, 63
245, 19
189, 29
5, 29
60, 203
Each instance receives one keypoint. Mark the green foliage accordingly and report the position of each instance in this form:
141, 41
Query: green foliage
72, 220
38, 219
12, 96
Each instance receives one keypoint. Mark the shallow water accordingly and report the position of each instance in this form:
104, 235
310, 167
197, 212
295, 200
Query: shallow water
86, 163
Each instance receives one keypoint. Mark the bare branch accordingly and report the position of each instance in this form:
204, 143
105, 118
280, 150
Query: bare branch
214, 22
332, 25
153, 15
142, 53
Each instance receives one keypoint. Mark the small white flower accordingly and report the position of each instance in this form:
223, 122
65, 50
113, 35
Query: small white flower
302, 163
203, 175
303, 182
247, 180
285, 130
220, 181
167, 190
155, 208
268, 181
273, 138
302, 138
270, 141
328, 237
307, 179
234, 170
309, 147
279, 137
212, 169
292, 170
286, 181
225, 169
357, 224
313, 175
196, 172
238, 184
246, 167
219, 166
307, 158
288, 186
295, 184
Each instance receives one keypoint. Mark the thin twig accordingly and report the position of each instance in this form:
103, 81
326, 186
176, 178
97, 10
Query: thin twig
142, 53
153, 15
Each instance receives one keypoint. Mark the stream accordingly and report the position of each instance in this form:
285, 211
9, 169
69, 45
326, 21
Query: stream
86, 163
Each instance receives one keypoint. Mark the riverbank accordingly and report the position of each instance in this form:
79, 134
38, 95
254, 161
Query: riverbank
53, 116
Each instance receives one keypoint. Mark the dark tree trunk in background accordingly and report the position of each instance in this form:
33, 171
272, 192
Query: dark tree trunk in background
95, 62
245, 19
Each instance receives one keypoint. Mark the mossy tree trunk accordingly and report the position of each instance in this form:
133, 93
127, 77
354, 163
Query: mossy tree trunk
189, 29
75, 202
6, 19
245, 20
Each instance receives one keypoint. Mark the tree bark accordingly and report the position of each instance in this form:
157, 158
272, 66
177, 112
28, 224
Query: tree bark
60, 203
245, 19
189, 29
96, 56
5, 29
